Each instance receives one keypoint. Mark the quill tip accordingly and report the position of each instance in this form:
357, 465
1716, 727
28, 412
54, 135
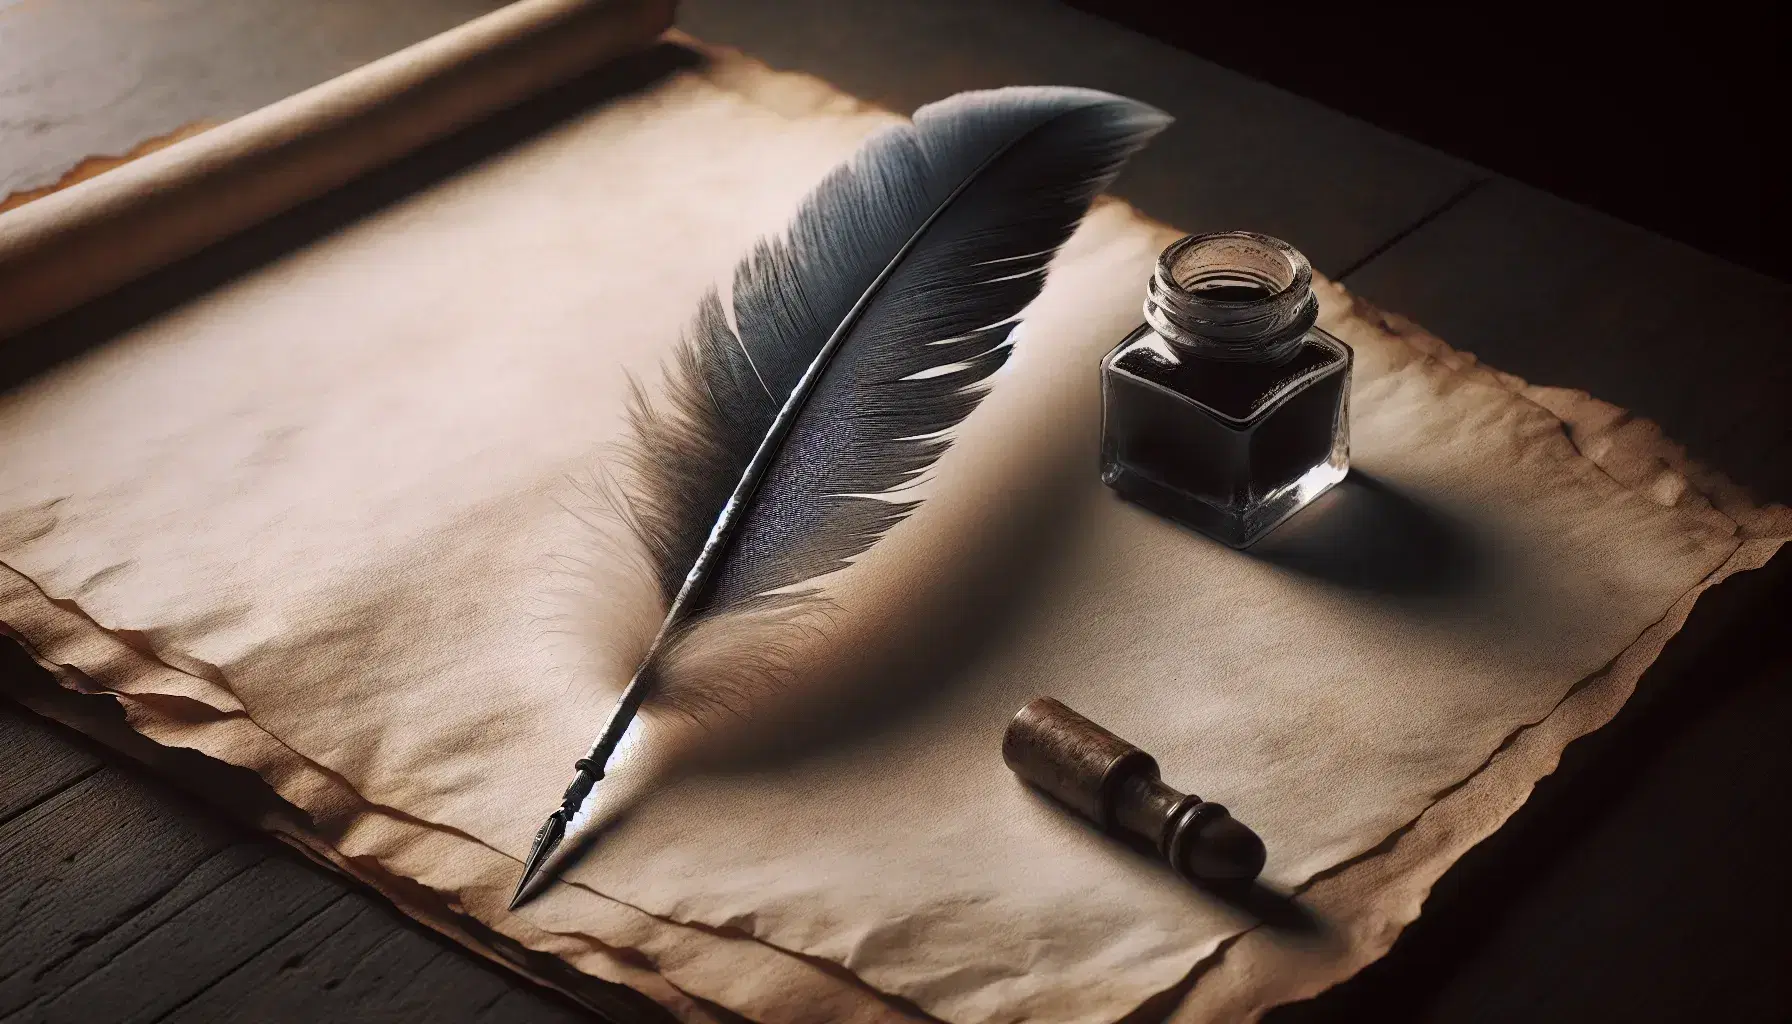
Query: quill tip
546, 840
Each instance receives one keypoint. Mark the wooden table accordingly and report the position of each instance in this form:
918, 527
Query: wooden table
123, 899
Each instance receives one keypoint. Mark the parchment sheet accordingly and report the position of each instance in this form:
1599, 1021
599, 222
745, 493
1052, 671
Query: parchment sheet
316, 523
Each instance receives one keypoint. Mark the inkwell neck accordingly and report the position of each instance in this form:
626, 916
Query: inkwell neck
1233, 295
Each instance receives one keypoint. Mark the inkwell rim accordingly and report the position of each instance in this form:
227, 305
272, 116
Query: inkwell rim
1265, 328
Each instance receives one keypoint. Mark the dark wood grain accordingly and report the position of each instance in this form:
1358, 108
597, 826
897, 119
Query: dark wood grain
348, 962
105, 837
122, 900
38, 765
237, 903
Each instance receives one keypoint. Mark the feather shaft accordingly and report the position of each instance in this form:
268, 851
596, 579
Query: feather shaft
628, 704
929, 322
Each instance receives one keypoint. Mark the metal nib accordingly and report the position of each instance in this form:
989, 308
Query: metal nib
552, 831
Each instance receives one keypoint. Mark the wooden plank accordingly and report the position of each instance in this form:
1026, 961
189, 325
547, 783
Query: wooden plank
354, 960
119, 900
240, 901
107, 842
38, 763
1241, 155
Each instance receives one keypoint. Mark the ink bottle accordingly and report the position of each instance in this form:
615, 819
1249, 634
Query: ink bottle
1227, 410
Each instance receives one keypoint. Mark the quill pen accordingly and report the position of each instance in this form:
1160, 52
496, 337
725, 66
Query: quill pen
861, 338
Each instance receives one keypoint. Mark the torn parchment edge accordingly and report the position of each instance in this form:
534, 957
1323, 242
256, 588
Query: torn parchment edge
122, 696
1254, 972
95, 164
1371, 898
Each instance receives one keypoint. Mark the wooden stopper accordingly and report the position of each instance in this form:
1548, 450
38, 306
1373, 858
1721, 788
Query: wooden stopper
1115, 785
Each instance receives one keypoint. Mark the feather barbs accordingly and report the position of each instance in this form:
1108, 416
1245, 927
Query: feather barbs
859, 340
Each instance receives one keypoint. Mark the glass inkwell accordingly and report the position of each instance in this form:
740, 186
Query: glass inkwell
1227, 411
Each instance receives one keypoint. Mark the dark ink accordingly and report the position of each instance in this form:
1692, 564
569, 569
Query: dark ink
1228, 409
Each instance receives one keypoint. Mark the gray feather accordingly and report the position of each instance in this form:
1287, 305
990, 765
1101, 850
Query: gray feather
866, 334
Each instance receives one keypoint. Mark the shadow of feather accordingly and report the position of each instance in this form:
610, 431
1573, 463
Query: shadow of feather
945, 625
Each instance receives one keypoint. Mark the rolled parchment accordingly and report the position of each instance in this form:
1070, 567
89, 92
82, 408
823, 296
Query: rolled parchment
62, 250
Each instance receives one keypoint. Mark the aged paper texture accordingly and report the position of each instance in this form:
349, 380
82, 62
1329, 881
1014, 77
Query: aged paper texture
332, 521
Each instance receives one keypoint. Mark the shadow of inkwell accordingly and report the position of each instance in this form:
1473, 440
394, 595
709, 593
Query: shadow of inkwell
1366, 535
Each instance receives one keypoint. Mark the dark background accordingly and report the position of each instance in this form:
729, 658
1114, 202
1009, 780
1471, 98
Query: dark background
1661, 115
